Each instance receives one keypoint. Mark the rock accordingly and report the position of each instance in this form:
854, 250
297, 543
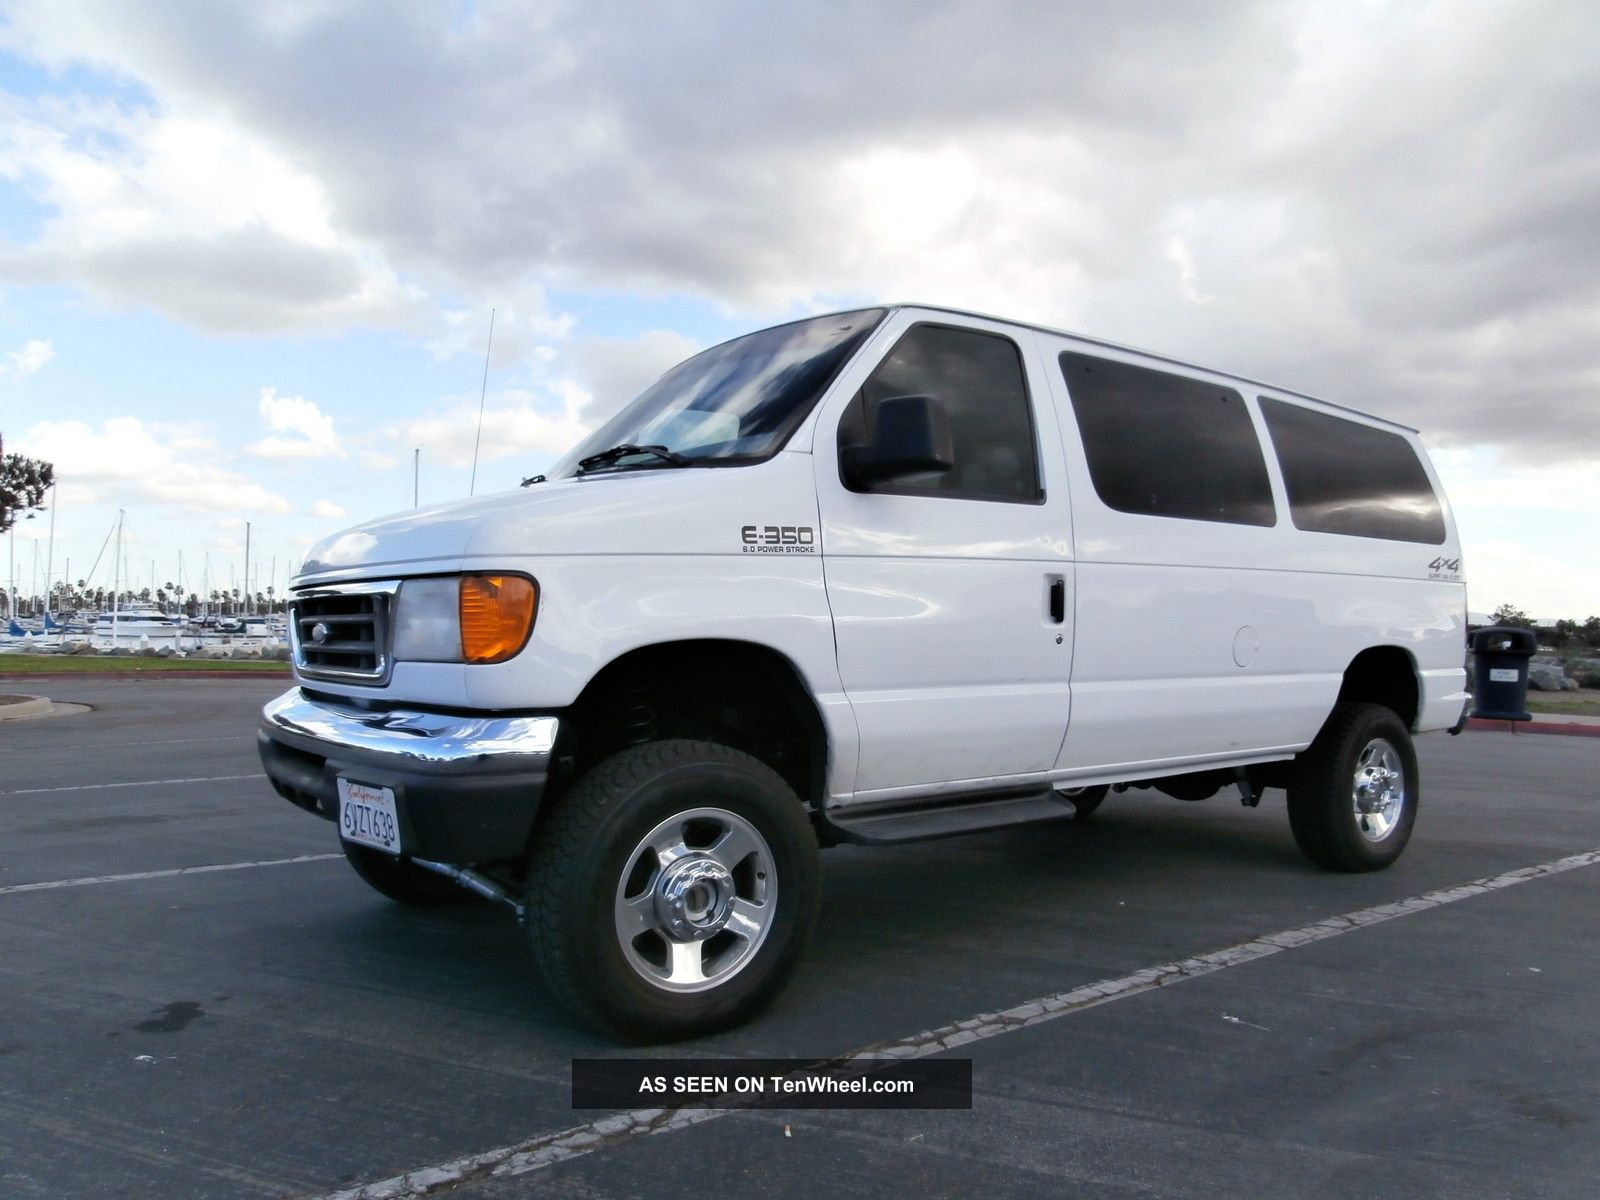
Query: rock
1548, 677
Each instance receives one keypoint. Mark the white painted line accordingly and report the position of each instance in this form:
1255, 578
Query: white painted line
92, 787
94, 880
549, 1149
111, 745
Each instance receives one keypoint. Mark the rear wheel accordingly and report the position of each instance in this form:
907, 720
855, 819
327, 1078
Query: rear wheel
672, 890
402, 880
1354, 791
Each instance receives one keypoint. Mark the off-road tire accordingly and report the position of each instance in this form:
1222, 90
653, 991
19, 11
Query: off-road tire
1322, 808
587, 841
402, 880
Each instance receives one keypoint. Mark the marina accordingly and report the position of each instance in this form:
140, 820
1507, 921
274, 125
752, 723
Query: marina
143, 627
70, 617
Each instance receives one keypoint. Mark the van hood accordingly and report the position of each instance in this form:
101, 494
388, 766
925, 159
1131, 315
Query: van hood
668, 510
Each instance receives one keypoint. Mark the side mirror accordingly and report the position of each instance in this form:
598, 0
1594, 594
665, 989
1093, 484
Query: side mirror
910, 436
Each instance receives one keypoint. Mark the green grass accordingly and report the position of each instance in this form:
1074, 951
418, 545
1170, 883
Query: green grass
95, 664
1568, 704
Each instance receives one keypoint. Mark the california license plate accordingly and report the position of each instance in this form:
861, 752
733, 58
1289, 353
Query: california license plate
367, 816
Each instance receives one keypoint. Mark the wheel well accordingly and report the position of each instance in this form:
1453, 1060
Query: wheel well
1383, 675
740, 694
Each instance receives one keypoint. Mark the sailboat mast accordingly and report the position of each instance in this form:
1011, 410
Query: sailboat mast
50, 554
116, 567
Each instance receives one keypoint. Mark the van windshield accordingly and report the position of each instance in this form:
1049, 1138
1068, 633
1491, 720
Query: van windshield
734, 403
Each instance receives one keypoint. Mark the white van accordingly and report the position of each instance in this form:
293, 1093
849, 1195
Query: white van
874, 576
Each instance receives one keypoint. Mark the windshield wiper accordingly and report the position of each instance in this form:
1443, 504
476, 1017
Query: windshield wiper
627, 450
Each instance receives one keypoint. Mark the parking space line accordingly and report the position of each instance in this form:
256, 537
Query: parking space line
549, 1149
91, 787
114, 745
171, 873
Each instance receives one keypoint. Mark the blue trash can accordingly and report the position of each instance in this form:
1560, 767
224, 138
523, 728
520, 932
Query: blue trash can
1500, 657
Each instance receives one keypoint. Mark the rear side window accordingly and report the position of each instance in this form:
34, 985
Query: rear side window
1164, 445
979, 380
1345, 477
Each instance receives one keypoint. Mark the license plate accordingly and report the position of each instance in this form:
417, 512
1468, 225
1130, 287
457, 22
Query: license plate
367, 816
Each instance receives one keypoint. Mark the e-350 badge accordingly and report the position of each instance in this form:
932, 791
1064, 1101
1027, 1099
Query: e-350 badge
778, 539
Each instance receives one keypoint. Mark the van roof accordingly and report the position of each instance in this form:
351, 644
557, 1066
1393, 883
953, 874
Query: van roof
1151, 355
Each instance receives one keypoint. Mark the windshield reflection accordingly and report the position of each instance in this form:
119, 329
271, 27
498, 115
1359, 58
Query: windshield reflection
737, 402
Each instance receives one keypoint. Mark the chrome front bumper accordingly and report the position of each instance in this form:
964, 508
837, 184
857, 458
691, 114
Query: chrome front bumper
421, 738
466, 787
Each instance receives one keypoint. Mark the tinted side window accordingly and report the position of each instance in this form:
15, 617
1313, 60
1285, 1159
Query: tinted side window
978, 377
1345, 477
1168, 446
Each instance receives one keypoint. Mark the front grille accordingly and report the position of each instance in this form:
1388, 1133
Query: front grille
342, 632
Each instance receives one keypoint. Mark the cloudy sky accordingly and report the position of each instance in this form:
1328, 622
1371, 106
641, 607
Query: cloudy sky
248, 252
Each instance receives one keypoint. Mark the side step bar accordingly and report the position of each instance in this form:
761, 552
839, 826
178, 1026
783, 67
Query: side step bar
945, 817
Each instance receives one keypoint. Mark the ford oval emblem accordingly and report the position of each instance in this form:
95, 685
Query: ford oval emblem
319, 633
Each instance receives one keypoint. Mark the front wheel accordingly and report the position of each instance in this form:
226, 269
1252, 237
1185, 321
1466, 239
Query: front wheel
1354, 791
672, 890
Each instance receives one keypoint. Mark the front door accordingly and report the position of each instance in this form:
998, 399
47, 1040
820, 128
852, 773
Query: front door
951, 593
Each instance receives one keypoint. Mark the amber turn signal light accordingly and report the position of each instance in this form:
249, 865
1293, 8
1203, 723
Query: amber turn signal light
496, 615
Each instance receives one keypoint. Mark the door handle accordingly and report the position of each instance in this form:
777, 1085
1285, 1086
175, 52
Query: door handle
1058, 600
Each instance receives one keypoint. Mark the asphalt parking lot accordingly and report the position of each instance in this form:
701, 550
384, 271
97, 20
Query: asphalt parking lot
277, 1029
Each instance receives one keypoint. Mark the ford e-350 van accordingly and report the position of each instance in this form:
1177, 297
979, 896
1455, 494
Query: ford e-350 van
881, 575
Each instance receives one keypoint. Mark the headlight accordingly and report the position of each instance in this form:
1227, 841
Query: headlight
427, 624
463, 618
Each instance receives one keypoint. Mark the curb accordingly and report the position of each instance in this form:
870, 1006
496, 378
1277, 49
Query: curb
26, 706
1568, 729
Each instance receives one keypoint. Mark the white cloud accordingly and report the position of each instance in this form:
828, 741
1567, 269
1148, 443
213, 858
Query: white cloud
27, 360
1389, 204
376, 460
129, 462
524, 328
514, 422
1545, 585
192, 214
1474, 480
298, 429
615, 370
326, 510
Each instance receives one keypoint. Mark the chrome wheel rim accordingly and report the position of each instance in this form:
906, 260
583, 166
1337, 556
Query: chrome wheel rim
696, 900
1378, 790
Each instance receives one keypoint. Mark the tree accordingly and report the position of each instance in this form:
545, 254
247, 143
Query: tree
23, 484
1510, 614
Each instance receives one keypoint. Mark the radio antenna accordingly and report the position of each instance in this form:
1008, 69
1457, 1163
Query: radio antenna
483, 395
